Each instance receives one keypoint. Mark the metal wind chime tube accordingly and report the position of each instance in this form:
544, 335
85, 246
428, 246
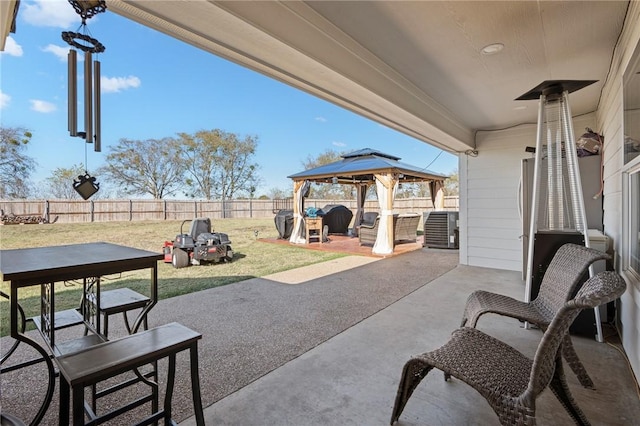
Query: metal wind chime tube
97, 146
92, 100
72, 72
88, 98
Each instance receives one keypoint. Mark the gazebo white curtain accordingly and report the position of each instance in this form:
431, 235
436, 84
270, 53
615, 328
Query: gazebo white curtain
387, 186
436, 190
298, 235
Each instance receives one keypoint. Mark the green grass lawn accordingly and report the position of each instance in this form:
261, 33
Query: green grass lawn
252, 258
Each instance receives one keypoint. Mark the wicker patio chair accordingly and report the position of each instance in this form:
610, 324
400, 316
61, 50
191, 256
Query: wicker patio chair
506, 378
561, 279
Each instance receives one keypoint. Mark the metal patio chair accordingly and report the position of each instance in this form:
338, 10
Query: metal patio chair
506, 378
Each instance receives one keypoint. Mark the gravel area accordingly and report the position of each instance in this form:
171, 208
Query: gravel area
252, 327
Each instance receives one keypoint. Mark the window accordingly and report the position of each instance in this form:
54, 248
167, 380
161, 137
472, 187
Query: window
632, 111
631, 169
632, 222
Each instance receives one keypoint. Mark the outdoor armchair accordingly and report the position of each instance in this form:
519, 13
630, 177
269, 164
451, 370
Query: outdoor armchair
368, 218
509, 380
368, 232
560, 282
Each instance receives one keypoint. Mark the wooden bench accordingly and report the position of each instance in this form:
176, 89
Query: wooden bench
109, 359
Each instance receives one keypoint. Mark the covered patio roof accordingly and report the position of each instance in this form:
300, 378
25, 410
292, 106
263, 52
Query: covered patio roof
361, 166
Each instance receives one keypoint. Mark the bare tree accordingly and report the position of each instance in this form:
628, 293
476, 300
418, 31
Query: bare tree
219, 164
145, 167
15, 165
60, 183
280, 193
452, 184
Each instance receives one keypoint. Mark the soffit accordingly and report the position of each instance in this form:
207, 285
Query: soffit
413, 66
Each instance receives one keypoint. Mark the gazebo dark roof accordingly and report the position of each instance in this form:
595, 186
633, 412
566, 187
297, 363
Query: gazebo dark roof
362, 165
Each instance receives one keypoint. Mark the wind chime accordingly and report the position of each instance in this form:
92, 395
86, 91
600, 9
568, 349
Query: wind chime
85, 185
558, 207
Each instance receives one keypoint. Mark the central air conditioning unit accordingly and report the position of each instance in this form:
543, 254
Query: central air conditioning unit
441, 229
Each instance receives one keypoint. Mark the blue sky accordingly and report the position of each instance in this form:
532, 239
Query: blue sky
154, 86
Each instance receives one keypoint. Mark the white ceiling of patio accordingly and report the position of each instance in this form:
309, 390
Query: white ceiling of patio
417, 66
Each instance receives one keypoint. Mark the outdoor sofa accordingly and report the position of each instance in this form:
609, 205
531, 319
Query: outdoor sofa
405, 229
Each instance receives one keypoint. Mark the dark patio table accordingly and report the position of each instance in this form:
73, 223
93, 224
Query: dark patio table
46, 266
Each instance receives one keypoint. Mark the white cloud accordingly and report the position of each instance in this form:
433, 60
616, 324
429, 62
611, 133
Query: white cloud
11, 47
60, 51
50, 13
340, 144
321, 119
116, 84
4, 100
42, 106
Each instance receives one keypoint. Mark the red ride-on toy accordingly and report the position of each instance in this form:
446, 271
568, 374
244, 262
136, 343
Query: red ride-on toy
199, 246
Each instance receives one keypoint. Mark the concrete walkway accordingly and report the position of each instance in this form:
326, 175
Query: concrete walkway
253, 327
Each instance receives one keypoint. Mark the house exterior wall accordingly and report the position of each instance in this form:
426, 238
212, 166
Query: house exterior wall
490, 224
490, 195
610, 122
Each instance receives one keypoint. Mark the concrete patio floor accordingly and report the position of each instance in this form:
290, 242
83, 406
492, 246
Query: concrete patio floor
351, 379
325, 345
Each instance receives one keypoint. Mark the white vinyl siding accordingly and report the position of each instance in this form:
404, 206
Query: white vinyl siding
491, 232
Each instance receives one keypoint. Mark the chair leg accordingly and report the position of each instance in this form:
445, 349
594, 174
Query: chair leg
195, 385
169, 393
561, 390
412, 374
569, 353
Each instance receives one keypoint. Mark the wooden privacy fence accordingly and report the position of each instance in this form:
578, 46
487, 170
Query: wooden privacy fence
74, 211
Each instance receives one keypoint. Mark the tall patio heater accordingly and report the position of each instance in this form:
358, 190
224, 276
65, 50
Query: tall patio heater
557, 206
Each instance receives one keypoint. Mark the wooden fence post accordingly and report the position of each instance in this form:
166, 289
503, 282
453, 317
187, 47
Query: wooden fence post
91, 211
130, 210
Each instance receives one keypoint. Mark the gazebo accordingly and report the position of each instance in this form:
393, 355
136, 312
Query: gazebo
363, 168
